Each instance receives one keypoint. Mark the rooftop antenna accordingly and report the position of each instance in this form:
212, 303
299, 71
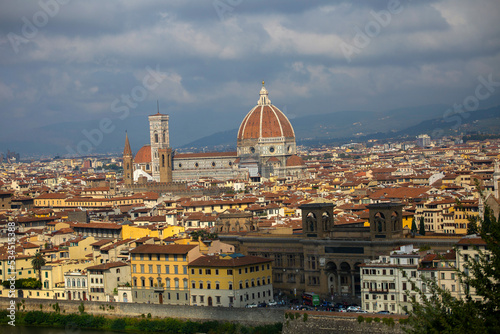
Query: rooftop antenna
158, 106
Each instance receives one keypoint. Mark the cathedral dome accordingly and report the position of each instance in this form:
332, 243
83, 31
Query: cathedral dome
265, 121
143, 156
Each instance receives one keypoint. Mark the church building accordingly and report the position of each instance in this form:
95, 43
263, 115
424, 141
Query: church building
265, 147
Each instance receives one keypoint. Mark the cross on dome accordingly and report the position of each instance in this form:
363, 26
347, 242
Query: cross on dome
264, 99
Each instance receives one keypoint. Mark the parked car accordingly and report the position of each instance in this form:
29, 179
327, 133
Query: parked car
262, 305
361, 311
326, 304
383, 312
272, 303
353, 308
251, 305
339, 309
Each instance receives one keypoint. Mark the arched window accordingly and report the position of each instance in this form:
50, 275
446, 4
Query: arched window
156, 137
73, 281
78, 283
68, 283
118, 271
164, 137
83, 283
163, 160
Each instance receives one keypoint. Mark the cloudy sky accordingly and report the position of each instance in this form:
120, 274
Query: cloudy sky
66, 61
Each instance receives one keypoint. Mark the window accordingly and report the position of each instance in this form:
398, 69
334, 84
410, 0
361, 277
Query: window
193, 284
192, 271
208, 272
194, 299
184, 270
202, 299
150, 267
217, 299
158, 269
176, 269
230, 271
442, 276
142, 269
201, 285
167, 269
230, 286
217, 285
134, 268
209, 285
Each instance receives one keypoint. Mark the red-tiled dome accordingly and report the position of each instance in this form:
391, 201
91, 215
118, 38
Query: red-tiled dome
264, 121
143, 156
294, 161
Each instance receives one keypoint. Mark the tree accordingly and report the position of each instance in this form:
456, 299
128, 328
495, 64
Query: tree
422, 226
413, 226
472, 226
38, 262
437, 311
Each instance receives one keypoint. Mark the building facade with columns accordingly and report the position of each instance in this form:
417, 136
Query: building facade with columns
326, 258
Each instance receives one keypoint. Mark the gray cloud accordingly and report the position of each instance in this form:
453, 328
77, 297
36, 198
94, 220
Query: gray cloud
90, 53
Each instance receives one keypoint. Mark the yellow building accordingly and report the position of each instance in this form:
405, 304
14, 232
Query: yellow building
462, 212
160, 273
80, 247
230, 280
136, 232
23, 266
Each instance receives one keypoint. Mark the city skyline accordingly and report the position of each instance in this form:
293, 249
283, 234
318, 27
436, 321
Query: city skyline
84, 62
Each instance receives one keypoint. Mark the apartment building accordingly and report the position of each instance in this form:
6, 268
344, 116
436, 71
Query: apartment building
230, 280
160, 273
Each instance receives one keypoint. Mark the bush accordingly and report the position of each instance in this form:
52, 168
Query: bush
305, 317
81, 308
376, 319
369, 320
118, 324
360, 319
388, 322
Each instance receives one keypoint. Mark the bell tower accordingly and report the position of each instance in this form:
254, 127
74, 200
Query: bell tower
128, 166
165, 161
159, 137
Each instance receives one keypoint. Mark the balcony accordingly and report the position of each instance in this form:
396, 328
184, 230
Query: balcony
378, 290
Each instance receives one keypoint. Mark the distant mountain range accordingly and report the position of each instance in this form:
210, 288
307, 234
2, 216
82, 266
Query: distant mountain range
346, 126
331, 128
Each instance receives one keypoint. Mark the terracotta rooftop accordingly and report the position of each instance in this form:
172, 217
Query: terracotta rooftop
163, 249
228, 261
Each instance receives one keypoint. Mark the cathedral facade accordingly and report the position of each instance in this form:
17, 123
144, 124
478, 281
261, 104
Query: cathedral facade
265, 147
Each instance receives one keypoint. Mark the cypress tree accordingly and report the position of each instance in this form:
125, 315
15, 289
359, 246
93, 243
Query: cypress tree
422, 226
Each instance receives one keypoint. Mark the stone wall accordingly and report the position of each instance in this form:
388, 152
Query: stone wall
254, 316
317, 322
337, 323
